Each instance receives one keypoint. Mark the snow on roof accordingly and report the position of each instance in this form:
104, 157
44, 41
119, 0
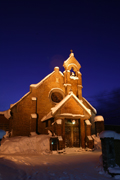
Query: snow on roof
90, 138
59, 105
59, 121
95, 111
67, 60
12, 105
34, 116
67, 115
6, 113
87, 122
34, 98
109, 134
2, 133
73, 77
38, 84
48, 116
67, 85
70, 115
98, 118
60, 138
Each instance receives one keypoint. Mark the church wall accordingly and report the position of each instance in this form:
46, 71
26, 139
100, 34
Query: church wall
21, 116
21, 121
44, 103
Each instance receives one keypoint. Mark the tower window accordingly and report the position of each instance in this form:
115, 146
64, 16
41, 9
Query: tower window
72, 72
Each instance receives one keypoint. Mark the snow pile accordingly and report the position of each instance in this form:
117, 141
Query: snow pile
23, 145
98, 118
97, 141
114, 170
109, 134
6, 135
6, 113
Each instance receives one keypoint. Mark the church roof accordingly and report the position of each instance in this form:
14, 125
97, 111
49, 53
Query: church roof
60, 104
71, 61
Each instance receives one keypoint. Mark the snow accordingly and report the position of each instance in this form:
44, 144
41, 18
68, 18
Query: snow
34, 98
73, 77
115, 170
59, 105
38, 84
60, 138
34, 116
59, 121
97, 142
24, 144
67, 85
98, 118
25, 158
6, 135
82, 165
87, 122
6, 113
109, 134
95, 111
90, 137
69, 115
12, 105
48, 116
2, 133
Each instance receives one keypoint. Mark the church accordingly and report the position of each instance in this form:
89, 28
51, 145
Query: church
55, 106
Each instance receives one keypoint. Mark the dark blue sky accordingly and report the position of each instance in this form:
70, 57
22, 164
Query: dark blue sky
35, 36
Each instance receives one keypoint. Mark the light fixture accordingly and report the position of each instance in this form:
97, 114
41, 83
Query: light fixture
73, 121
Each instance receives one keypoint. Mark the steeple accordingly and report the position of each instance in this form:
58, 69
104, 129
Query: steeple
72, 76
71, 63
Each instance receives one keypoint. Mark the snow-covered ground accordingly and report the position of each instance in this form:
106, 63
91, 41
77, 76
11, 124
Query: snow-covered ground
74, 165
25, 158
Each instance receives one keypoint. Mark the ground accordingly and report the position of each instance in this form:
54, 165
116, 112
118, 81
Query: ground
71, 165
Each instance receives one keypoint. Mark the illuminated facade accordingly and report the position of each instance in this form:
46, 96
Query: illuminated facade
55, 105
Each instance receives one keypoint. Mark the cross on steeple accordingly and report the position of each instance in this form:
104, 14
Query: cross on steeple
71, 54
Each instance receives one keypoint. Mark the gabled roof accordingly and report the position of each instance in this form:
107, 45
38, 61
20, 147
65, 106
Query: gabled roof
38, 84
71, 61
61, 104
94, 110
71, 94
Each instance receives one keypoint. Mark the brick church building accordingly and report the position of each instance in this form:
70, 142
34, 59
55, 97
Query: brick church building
55, 105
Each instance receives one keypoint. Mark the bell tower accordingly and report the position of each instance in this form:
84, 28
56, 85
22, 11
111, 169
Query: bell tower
72, 76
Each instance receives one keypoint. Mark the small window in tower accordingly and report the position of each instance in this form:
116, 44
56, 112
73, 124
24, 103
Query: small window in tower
72, 72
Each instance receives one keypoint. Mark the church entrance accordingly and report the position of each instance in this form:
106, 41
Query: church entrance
72, 133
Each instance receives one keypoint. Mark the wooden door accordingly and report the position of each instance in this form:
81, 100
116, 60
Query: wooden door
72, 133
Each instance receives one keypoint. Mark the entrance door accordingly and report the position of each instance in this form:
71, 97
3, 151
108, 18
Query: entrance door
72, 133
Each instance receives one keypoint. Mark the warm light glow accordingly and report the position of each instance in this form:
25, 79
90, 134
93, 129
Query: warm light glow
73, 121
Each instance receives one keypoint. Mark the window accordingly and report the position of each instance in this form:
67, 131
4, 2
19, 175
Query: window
56, 95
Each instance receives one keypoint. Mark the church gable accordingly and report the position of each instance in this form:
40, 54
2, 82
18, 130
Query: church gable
71, 103
55, 78
71, 106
